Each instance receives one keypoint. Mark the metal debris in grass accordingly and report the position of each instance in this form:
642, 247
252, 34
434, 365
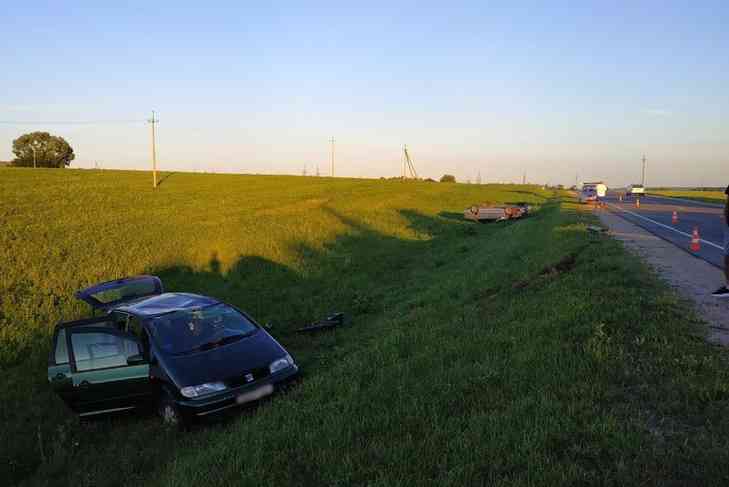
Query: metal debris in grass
332, 321
596, 229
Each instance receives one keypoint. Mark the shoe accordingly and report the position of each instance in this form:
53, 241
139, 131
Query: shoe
722, 292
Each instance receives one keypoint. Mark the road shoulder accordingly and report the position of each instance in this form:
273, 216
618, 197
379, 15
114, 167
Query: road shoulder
691, 277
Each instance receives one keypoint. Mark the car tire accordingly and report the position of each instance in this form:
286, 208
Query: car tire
169, 412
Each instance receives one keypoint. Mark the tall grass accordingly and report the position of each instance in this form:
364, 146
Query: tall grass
528, 353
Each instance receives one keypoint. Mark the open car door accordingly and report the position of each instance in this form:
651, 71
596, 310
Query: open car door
96, 368
112, 293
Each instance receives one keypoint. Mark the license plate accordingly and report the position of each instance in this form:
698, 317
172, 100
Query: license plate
255, 394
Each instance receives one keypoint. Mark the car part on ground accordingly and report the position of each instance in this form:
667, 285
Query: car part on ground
486, 212
332, 321
596, 229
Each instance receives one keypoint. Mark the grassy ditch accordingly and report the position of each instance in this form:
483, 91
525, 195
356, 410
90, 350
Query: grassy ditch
706, 196
528, 353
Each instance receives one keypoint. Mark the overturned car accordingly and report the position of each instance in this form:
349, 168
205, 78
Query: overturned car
486, 212
187, 355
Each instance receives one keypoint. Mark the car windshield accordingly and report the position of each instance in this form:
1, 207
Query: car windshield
199, 329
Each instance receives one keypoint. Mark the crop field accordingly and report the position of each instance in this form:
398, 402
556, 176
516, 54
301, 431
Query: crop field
522, 353
699, 195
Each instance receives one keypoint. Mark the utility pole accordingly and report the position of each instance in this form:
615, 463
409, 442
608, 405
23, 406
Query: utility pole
643, 178
478, 178
34, 163
317, 170
332, 155
523, 178
153, 121
404, 163
408, 164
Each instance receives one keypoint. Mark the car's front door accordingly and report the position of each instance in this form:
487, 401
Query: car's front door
108, 370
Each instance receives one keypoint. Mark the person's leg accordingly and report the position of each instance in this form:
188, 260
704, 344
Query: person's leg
723, 291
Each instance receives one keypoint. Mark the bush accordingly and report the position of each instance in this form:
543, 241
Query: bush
448, 178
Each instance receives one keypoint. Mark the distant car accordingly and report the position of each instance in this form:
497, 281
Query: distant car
188, 355
635, 189
588, 194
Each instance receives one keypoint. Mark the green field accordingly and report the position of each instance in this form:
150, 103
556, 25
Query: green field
707, 196
524, 353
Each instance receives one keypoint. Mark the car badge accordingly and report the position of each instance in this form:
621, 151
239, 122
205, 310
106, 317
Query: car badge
248, 377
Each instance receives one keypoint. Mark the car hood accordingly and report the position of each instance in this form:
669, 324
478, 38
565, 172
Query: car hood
235, 359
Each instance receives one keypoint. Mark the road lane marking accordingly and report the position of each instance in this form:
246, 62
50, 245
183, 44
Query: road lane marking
707, 242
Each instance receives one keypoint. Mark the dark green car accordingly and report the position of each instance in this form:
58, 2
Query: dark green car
188, 355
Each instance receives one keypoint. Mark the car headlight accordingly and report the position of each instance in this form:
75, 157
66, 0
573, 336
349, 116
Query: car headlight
281, 363
202, 389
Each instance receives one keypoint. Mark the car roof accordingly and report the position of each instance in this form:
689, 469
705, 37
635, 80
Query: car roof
166, 303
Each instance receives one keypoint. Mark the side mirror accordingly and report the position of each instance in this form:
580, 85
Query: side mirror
136, 360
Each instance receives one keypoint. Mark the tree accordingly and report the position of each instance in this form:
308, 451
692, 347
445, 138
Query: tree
42, 149
448, 178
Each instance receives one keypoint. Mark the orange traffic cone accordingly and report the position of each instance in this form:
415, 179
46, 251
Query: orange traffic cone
695, 240
637, 202
621, 197
674, 218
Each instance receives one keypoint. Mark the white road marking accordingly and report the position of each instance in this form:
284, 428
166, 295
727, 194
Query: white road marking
665, 226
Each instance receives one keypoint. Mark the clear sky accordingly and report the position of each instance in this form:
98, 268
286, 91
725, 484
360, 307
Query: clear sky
555, 89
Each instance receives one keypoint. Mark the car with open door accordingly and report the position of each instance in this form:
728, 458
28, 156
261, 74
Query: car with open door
188, 355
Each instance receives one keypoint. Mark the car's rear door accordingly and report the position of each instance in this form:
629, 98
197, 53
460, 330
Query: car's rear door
59, 361
108, 370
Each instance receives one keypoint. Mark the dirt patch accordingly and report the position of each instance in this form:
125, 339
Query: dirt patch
565, 264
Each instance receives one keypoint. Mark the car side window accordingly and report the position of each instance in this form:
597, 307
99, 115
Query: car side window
98, 350
119, 320
61, 352
134, 326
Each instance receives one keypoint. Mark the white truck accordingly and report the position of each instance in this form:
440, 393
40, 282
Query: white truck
635, 189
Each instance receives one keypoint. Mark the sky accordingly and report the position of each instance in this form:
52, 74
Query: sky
561, 91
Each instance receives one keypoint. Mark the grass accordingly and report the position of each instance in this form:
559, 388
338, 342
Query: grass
698, 195
529, 353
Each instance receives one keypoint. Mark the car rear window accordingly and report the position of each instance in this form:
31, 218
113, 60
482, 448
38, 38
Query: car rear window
131, 290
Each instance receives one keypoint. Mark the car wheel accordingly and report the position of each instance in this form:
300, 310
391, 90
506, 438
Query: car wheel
168, 411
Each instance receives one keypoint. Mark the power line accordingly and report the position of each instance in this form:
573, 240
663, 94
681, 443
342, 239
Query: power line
70, 122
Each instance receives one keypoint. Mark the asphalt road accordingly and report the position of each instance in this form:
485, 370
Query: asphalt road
655, 215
